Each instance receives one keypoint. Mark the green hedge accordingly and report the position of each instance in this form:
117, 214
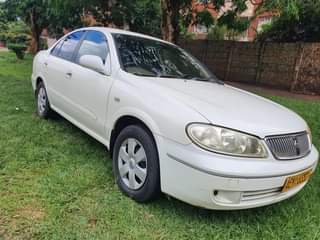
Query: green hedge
18, 48
3, 37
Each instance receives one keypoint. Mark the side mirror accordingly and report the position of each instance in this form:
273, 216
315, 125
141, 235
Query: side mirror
94, 63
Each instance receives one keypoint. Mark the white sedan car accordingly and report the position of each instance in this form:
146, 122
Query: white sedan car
170, 124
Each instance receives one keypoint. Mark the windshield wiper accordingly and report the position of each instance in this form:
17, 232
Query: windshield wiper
144, 75
186, 76
214, 80
167, 76
209, 79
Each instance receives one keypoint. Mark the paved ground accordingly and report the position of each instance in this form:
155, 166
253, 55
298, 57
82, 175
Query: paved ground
275, 92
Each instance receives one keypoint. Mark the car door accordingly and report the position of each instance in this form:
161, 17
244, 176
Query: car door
58, 72
89, 89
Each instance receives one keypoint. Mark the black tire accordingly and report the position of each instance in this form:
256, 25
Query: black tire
43, 111
150, 189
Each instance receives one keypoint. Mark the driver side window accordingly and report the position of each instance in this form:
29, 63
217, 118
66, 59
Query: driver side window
66, 47
94, 43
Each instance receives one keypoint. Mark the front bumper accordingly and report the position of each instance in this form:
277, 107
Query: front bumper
216, 181
33, 82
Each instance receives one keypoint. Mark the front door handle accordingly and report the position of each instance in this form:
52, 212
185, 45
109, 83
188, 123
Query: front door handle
69, 74
45, 64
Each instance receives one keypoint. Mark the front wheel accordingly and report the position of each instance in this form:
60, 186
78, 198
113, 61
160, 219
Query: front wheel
136, 164
42, 101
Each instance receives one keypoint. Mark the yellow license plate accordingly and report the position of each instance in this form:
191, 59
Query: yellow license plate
296, 180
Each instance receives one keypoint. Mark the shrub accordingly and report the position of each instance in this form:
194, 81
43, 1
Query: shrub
217, 32
3, 37
16, 36
13, 37
18, 48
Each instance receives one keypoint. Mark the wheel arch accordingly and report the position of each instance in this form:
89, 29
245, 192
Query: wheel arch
38, 79
124, 121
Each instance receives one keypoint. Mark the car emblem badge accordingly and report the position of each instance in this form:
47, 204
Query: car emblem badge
296, 145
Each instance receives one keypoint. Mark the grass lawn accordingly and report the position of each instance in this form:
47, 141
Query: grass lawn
57, 183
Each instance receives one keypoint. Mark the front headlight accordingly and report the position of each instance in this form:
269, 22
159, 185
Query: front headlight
309, 134
226, 141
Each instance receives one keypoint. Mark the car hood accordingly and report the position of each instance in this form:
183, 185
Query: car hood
230, 107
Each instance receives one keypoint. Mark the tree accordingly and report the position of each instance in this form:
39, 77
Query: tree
137, 15
205, 18
64, 15
297, 20
33, 13
231, 20
146, 18
3, 17
217, 32
172, 10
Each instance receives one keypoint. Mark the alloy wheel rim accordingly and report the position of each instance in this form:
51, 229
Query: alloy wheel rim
132, 163
42, 100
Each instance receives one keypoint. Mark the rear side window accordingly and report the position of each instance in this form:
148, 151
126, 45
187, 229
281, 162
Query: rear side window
94, 43
65, 49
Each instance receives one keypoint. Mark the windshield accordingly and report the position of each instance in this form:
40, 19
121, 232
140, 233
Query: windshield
147, 57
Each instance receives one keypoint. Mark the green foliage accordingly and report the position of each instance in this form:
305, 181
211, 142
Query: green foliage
230, 22
18, 48
43, 44
3, 37
231, 19
3, 18
31, 12
69, 17
298, 20
13, 37
265, 29
217, 32
185, 34
18, 27
233, 22
139, 15
16, 36
205, 18
15, 32
184, 23
146, 17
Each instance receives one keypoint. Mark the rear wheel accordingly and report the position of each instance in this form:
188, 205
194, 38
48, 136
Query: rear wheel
43, 105
136, 164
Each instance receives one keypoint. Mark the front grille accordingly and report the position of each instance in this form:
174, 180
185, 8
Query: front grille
286, 147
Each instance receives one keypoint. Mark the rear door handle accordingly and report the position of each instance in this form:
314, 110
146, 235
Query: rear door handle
45, 64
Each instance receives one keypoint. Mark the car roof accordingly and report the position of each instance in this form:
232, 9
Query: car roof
120, 31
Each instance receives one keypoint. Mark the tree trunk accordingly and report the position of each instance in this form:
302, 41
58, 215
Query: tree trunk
170, 20
35, 42
35, 33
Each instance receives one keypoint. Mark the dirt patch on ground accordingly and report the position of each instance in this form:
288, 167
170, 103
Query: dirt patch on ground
21, 224
30, 212
2, 230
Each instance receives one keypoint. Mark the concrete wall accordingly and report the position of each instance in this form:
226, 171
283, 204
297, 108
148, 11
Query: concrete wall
290, 66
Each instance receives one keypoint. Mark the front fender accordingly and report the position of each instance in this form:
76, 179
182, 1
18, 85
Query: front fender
133, 112
164, 115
